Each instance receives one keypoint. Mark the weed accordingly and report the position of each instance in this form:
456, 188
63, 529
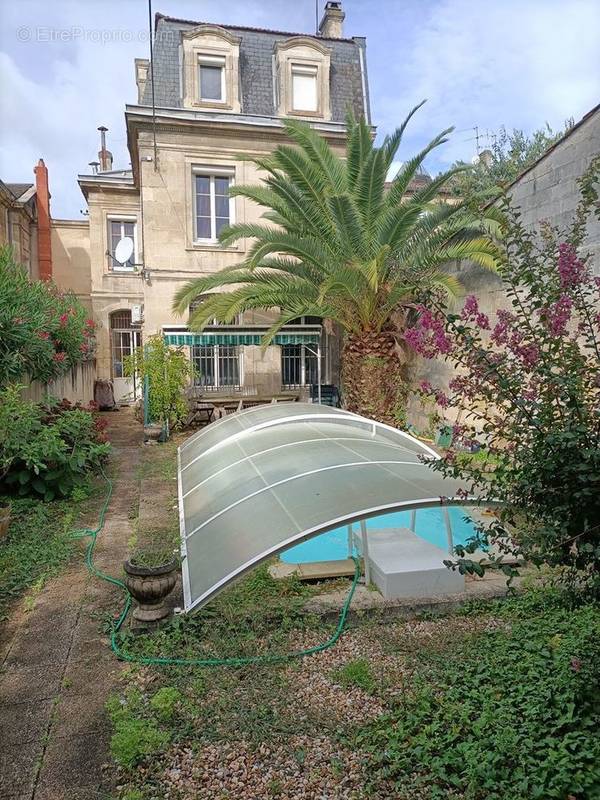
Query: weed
356, 673
135, 737
164, 703
37, 546
509, 712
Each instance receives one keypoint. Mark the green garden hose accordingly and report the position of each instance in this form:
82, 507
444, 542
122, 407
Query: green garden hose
115, 635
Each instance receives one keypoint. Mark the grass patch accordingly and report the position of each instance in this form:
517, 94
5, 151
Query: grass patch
160, 460
253, 616
510, 712
37, 546
356, 673
137, 734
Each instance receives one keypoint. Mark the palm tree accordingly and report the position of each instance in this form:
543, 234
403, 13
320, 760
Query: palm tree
336, 243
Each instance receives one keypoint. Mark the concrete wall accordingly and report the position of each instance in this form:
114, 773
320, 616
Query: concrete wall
71, 264
76, 385
546, 192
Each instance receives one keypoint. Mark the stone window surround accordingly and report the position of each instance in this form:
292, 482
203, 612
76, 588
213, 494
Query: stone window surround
115, 216
304, 52
205, 166
210, 42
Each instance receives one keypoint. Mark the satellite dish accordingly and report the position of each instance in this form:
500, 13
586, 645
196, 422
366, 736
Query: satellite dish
124, 250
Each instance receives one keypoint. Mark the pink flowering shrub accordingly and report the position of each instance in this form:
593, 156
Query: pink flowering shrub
43, 332
527, 394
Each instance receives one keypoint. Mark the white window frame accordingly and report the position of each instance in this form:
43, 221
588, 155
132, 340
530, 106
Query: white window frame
114, 265
312, 70
212, 61
211, 173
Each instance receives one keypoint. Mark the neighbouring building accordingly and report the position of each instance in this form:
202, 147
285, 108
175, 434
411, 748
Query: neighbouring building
547, 191
18, 222
219, 91
49, 249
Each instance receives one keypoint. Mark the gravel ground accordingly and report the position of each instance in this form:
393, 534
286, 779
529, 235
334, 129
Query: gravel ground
301, 768
311, 764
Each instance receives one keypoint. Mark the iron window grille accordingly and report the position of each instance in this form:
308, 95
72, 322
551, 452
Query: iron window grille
217, 366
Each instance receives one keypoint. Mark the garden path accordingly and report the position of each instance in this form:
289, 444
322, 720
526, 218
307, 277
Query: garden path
57, 667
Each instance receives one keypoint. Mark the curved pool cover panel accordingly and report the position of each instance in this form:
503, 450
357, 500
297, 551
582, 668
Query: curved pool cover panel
258, 481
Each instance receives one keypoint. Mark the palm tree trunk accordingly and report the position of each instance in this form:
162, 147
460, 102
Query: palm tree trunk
372, 377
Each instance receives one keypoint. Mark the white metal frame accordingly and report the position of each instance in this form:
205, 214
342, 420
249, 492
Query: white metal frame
211, 172
212, 61
358, 516
113, 264
364, 514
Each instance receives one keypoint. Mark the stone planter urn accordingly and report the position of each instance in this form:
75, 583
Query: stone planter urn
4, 520
149, 586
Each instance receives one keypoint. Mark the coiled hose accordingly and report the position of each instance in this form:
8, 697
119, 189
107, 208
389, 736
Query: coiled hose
116, 636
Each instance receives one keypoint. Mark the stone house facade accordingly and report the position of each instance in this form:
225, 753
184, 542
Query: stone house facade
220, 92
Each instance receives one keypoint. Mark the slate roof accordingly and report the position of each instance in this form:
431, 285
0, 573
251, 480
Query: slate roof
256, 68
18, 189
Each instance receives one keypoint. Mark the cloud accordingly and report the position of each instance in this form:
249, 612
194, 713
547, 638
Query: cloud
68, 67
485, 63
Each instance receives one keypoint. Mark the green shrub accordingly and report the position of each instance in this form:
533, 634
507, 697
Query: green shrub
168, 370
511, 713
44, 332
356, 673
46, 450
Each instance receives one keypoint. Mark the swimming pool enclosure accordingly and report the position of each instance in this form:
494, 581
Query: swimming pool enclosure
259, 481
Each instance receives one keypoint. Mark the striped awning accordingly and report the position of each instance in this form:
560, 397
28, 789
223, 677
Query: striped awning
240, 337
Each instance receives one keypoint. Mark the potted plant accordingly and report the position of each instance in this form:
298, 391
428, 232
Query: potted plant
150, 575
4, 517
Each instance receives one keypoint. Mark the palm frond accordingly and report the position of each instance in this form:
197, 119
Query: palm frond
392, 142
317, 150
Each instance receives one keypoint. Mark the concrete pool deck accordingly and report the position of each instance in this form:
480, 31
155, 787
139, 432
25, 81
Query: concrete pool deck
368, 601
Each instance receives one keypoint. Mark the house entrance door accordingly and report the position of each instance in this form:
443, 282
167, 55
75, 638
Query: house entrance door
124, 340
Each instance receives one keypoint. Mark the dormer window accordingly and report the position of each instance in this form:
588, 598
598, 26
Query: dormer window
302, 67
305, 87
211, 78
210, 69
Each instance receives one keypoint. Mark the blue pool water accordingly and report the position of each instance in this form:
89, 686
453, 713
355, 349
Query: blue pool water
333, 545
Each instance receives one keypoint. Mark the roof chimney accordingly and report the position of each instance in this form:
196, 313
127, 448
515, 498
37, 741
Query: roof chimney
142, 66
42, 195
486, 157
332, 23
104, 155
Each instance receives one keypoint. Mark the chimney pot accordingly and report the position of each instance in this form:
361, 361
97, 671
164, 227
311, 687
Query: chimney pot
104, 156
332, 22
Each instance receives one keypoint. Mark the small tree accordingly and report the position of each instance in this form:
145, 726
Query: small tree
511, 153
527, 392
44, 332
168, 370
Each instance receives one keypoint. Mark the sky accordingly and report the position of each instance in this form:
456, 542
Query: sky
67, 67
